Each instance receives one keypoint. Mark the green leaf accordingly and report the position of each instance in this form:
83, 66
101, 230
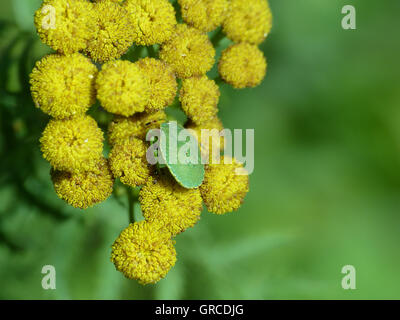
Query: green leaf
182, 158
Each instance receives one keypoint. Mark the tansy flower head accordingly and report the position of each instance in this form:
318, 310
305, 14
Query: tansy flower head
128, 162
116, 1
248, 21
205, 15
162, 199
144, 251
225, 186
63, 86
199, 97
242, 65
215, 143
163, 84
153, 20
189, 52
138, 125
113, 33
72, 144
122, 88
84, 189
65, 25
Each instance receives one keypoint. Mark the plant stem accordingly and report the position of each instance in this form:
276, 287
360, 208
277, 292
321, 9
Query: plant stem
218, 36
137, 53
218, 80
131, 206
178, 12
151, 51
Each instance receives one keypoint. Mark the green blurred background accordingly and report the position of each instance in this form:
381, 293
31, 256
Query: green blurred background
325, 191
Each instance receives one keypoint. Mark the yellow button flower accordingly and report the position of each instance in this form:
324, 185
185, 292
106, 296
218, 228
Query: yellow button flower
189, 52
63, 86
65, 25
116, 1
199, 98
162, 199
122, 88
215, 144
225, 186
113, 33
163, 84
248, 21
138, 125
72, 144
242, 65
84, 189
153, 20
205, 15
128, 162
144, 252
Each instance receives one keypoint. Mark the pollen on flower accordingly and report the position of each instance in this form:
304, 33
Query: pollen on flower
163, 85
113, 33
144, 252
84, 189
162, 199
242, 65
63, 86
189, 52
65, 25
205, 15
116, 1
122, 88
137, 126
248, 21
128, 162
199, 98
153, 20
72, 144
212, 143
223, 189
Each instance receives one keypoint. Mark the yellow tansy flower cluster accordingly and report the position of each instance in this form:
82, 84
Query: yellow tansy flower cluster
248, 23
63, 86
153, 21
211, 144
89, 38
225, 186
243, 65
163, 85
199, 97
144, 251
113, 33
83, 189
205, 15
73, 144
128, 162
137, 126
65, 25
122, 88
163, 199
80, 174
189, 52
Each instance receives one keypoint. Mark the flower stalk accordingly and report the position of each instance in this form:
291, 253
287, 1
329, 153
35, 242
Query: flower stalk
131, 204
